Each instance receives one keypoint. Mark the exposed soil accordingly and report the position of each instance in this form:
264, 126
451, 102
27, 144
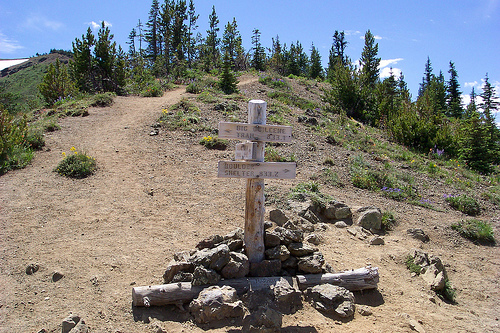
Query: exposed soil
153, 196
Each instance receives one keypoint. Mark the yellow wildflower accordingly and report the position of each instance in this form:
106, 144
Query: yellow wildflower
73, 149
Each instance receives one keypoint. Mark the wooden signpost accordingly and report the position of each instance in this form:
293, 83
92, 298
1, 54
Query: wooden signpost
252, 167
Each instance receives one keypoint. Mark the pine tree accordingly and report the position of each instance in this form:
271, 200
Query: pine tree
426, 80
105, 57
165, 29
82, 64
276, 60
212, 42
179, 30
369, 77
56, 83
316, 70
471, 107
191, 41
231, 42
337, 54
259, 54
131, 42
453, 95
227, 80
152, 35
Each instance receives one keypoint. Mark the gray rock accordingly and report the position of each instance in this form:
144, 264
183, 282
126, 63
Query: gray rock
301, 249
263, 320
321, 227
416, 326
312, 264
287, 297
330, 212
74, 324
340, 224
215, 258
304, 224
370, 218
291, 225
343, 212
268, 225
314, 239
32, 269
265, 268
235, 245
216, 303
418, 234
237, 267
330, 298
236, 234
56, 276
210, 242
182, 256
271, 239
311, 216
278, 217
377, 241
288, 236
175, 267
278, 252
290, 263
364, 310
204, 276
182, 277
419, 257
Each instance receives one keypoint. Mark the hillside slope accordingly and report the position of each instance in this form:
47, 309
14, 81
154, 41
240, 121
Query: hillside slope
154, 195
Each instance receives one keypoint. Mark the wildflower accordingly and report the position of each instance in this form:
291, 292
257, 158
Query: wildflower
73, 149
64, 154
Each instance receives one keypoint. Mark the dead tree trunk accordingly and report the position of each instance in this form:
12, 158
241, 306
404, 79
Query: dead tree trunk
184, 292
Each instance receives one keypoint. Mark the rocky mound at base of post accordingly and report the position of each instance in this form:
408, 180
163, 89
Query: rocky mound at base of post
213, 276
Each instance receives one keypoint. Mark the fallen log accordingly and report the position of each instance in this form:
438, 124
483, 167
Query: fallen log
185, 292
355, 280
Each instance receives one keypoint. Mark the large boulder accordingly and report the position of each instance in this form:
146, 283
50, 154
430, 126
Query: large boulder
204, 276
237, 267
312, 264
301, 249
216, 303
288, 299
370, 218
263, 320
215, 258
330, 298
174, 267
278, 217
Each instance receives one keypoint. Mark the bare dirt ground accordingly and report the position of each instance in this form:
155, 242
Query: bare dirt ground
155, 195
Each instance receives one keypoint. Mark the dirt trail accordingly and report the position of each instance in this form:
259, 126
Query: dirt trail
156, 195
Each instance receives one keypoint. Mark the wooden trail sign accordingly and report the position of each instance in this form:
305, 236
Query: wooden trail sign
269, 170
254, 169
255, 132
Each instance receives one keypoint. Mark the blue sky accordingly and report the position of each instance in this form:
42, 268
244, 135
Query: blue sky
465, 32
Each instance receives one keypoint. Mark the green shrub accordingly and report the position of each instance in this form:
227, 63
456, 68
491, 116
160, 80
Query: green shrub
448, 292
475, 230
272, 155
410, 264
15, 150
464, 204
102, 100
273, 81
152, 89
76, 165
214, 143
388, 221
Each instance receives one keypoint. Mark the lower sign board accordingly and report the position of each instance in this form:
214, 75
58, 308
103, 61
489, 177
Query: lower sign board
268, 170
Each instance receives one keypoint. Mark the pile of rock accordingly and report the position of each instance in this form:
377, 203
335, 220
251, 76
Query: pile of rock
432, 269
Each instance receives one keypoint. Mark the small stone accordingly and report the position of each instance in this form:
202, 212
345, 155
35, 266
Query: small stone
418, 234
32, 269
278, 217
271, 239
56, 276
370, 218
314, 239
216, 303
74, 324
416, 326
301, 249
364, 310
311, 264
203, 276
340, 224
377, 241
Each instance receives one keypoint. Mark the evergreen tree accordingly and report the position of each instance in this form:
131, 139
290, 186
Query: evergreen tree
426, 80
316, 70
179, 30
227, 80
166, 16
231, 42
131, 42
82, 64
212, 41
369, 77
56, 83
489, 103
259, 54
191, 41
337, 54
369, 62
471, 107
153, 35
453, 95
140, 35
276, 61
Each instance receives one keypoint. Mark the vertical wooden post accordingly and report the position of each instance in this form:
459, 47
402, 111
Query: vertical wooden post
255, 209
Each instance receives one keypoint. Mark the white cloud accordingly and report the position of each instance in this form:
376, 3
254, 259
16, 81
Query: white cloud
8, 45
377, 37
388, 62
352, 32
39, 22
386, 72
470, 84
94, 25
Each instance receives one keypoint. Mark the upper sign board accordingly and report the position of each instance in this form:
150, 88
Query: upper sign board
255, 132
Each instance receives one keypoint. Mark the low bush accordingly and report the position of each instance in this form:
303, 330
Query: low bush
464, 204
15, 151
475, 230
76, 165
214, 143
